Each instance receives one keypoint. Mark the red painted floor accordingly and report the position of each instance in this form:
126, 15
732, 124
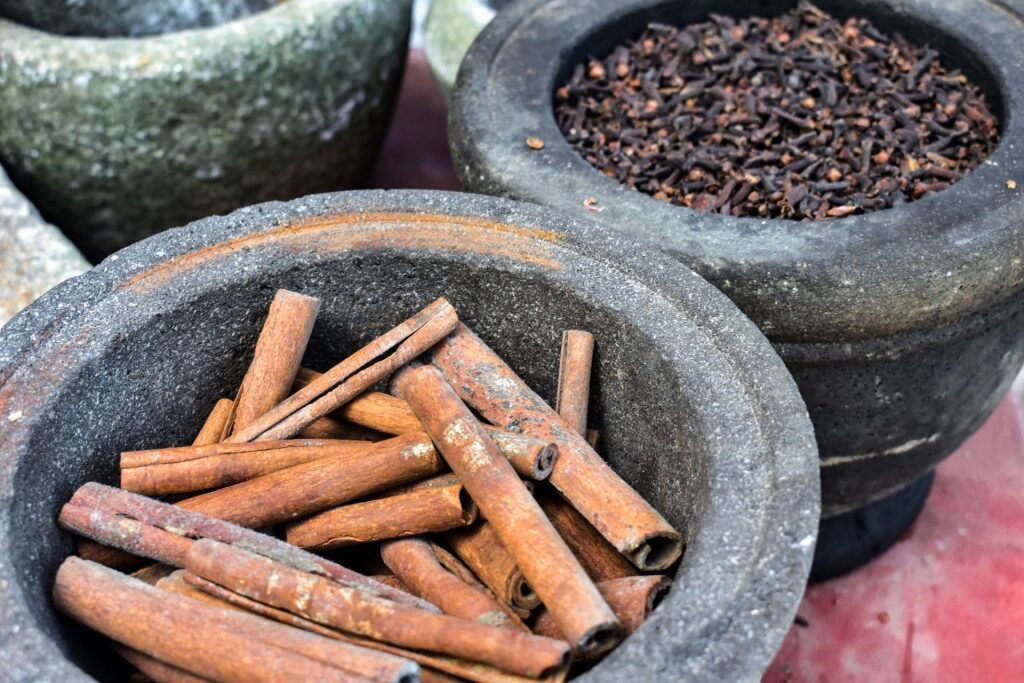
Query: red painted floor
946, 604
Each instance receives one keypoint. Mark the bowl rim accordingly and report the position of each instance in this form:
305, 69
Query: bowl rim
735, 641
889, 272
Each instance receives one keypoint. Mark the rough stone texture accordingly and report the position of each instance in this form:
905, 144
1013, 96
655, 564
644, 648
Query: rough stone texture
114, 139
451, 27
901, 327
695, 408
34, 255
126, 18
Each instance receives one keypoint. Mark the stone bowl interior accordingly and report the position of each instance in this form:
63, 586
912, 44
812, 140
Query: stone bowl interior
694, 408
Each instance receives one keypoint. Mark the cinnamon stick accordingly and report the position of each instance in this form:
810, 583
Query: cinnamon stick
105, 504
490, 386
278, 355
189, 469
533, 458
598, 557
483, 552
180, 631
414, 562
216, 424
417, 511
354, 375
574, 367
323, 483
155, 670
329, 428
369, 664
311, 597
431, 663
632, 598
547, 563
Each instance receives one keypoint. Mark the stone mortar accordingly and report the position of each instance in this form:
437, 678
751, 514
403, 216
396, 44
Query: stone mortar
126, 18
34, 255
114, 139
694, 407
449, 30
901, 327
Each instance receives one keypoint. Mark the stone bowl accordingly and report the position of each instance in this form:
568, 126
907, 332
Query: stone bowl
694, 407
449, 30
901, 327
114, 139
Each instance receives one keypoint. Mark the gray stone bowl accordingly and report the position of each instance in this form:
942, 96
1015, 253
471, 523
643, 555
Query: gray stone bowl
114, 139
450, 28
694, 407
901, 327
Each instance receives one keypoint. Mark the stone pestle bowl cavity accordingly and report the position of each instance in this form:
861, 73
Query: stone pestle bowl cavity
901, 327
694, 407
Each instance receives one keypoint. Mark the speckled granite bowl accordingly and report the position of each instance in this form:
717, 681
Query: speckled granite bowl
694, 407
901, 327
127, 18
114, 139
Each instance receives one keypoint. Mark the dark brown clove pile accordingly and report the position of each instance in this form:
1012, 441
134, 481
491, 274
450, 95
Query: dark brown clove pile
802, 116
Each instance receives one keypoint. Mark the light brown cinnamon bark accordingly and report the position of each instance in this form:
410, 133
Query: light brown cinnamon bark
370, 664
484, 553
155, 670
546, 561
114, 515
216, 424
573, 397
278, 355
633, 598
311, 597
326, 482
151, 574
592, 436
182, 632
354, 375
490, 386
417, 511
329, 428
434, 663
189, 469
598, 557
414, 562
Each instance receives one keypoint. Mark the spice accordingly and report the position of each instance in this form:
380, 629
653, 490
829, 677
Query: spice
802, 116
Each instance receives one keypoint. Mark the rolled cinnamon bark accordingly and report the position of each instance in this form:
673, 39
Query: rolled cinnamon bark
326, 482
431, 663
106, 502
182, 632
354, 375
155, 670
278, 355
417, 511
484, 553
574, 366
414, 562
189, 469
598, 557
546, 561
329, 428
490, 386
151, 574
309, 596
633, 598
216, 424
533, 458
369, 664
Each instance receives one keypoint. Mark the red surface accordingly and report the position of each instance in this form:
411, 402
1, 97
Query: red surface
945, 604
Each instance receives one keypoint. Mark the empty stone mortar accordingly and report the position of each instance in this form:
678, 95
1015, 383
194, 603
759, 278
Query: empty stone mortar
115, 138
695, 408
901, 327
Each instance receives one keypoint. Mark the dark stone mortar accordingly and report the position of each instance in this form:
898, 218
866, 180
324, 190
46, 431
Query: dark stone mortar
695, 408
114, 139
901, 327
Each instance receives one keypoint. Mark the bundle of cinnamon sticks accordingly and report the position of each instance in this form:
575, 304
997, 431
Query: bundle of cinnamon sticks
501, 546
